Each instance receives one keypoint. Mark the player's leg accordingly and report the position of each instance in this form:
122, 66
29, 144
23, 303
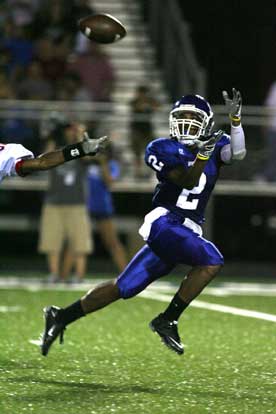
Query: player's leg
190, 288
206, 260
143, 269
189, 248
112, 242
196, 280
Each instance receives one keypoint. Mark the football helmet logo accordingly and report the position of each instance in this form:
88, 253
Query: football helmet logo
190, 118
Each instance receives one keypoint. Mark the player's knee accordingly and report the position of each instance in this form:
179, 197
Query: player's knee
212, 271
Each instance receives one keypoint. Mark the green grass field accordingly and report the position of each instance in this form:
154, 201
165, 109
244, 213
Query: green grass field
112, 363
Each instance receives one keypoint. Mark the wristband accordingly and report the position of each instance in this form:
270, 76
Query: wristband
202, 157
235, 118
73, 151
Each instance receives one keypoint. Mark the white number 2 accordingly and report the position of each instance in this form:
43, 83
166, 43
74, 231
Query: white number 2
157, 165
183, 201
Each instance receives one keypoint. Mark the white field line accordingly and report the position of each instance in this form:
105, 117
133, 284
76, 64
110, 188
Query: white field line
150, 294
153, 292
223, 289
5, 309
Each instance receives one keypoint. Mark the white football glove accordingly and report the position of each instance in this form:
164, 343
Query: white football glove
93, 146
206, 145
233, 105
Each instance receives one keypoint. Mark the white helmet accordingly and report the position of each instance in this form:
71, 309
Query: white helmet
190, 118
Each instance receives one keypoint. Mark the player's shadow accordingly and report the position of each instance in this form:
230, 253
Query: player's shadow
80, 388
129, 388
78, 391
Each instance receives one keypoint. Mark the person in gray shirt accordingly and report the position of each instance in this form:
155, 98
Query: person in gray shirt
65, 233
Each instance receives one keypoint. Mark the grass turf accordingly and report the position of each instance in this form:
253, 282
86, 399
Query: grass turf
112, 363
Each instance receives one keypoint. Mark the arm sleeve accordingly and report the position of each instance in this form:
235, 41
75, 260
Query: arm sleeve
235, 150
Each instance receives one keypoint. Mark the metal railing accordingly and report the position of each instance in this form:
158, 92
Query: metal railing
114, 119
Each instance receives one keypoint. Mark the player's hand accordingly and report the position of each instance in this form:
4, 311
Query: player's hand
93, 146
207, 144
233, 105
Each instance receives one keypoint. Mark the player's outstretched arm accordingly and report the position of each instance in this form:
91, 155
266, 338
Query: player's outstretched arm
71, 152
237, 150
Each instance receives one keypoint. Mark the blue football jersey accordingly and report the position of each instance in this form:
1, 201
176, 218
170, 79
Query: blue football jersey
165, 154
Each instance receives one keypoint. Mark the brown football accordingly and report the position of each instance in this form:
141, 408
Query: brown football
102, 28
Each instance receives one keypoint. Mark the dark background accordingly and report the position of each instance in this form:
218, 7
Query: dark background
235, 43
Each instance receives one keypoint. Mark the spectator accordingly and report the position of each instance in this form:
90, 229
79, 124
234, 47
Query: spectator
22, 131
141, 130
64, 216
34, 85
19, 47
70, 88
101, 174
53, 20
95, 71
53, 61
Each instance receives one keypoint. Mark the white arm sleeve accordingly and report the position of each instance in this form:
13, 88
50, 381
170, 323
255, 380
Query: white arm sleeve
236, 149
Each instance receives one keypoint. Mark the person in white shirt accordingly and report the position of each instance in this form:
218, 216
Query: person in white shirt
16, 160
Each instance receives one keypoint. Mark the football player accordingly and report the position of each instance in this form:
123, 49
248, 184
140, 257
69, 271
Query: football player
187, 166
16, 160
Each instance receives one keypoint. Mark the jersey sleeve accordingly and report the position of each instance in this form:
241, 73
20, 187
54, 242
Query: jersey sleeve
10, 157
162, 156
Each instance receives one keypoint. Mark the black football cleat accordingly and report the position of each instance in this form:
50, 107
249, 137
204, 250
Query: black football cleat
53, 329
168, 333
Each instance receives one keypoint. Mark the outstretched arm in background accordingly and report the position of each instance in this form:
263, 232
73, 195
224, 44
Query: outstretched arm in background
54, 158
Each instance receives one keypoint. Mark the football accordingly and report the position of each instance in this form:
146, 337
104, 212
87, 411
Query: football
102, 28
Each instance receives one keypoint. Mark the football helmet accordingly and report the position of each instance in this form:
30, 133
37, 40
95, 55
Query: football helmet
190, 118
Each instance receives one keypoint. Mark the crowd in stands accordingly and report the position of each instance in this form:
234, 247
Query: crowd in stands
44, 57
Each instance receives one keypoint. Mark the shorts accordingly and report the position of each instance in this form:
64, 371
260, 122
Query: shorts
60, 224
170, 242
176, 243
